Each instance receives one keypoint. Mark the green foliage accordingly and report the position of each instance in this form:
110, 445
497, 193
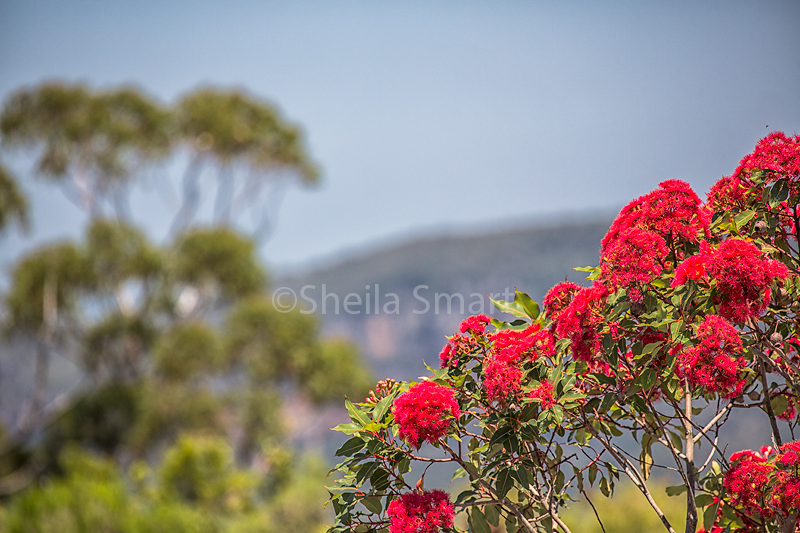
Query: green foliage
231, 125
103, 132
48, 279
13, 204
181, 427
219, 258
187, 350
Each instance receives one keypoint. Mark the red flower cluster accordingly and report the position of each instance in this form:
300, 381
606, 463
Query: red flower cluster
510, 348
636, 247
714, 365
672, 211
743, 278
429, 512
558, 298
425, 412
776, 152
529, 343
693, 268
764, 485
581, 321
457, 346
502, 379
726, 194
475, 324
544, 393
636, 256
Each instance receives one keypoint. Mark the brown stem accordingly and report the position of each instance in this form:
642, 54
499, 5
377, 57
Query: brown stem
776, 432
691, 507
632, 473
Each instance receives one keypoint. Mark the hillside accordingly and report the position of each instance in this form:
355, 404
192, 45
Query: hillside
532, 259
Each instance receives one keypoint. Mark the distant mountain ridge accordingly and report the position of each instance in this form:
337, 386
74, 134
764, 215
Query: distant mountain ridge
531, 258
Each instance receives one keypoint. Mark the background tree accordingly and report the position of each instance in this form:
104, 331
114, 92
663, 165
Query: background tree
177, 424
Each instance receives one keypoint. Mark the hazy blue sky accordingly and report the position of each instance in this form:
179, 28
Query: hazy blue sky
441, 114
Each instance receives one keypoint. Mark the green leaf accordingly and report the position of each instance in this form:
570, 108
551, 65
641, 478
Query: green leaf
504, 482
356, 415
675, 490
648, 378
347, 428
383, 407
501, 435
703, 500
350, 447
779, 404
744, 217
492, 515
509, 307
530, 307
380, 479
479, 523
373, 503
779, 192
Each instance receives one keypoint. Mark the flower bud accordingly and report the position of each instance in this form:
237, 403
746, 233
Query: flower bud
760, 227
776, 338
754, 395
796, 306
637, 308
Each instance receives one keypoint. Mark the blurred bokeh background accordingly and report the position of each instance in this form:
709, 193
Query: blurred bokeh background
184, 163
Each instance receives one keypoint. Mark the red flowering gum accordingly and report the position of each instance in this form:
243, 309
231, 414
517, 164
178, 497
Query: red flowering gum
501, 380
475, 324
558, 299
425, 412
715, 364
529, 343
726, 194
745, 483
672, 211
634, 257
457, 346
777, 153
429, 512
581, 322
743, 278
693, 268
767, 483
544, 393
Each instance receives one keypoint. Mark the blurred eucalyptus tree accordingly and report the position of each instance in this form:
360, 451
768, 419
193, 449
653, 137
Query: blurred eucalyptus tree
252, 147
13, 204
95, 140
179, 343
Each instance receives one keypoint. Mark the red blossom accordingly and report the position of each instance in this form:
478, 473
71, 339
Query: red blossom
726, 194
475, 324
672, 211
746, 481
715, 364
634, 257
457, 346
429, 512
558, 299
743, 278
693, 268
777, 153
790, 454
425, 412
581, 322
544, 393
766, 483
529, 343
502, 379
